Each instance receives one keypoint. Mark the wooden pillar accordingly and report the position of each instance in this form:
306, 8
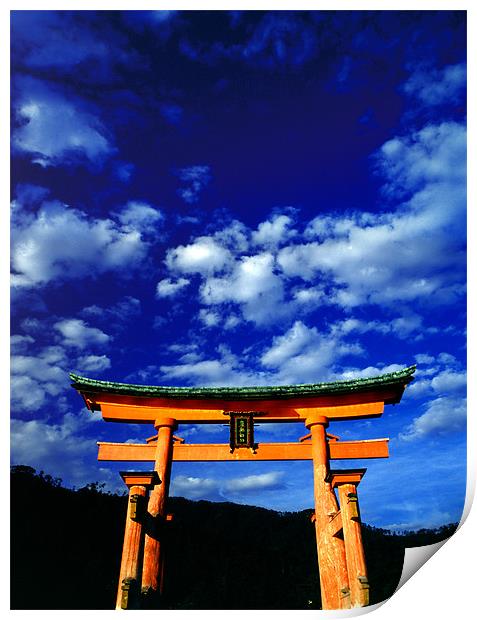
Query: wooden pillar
156, 509
356, 563
335, 593
138, 484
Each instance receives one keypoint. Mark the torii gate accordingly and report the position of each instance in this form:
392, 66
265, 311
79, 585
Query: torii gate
341, 560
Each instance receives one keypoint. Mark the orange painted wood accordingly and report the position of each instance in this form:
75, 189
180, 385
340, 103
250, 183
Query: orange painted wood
342, 412
331, 552
130, 560
146, 479
362, 449
386, 394
353, 541
367, 449
338, 532
156, 509
335, 525
346, 477
198, 411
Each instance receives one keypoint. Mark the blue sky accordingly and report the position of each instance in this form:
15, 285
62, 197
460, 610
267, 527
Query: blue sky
242, 198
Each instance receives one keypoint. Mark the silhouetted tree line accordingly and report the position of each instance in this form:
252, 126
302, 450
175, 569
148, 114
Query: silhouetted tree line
66, 550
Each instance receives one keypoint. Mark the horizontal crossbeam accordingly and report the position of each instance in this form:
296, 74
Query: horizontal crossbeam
365, 449
192, 413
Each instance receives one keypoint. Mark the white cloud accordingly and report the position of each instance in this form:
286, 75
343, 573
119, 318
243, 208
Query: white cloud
56, 130
27, 394
141, 216
40, 378
337, 225
94, 363
62, 43
62, 448
424, 358
235, 237
19, 344
126, 308
225, 370
232, 321
443, 416
428, 371
449, 381
309, 297
76, 333
191, 357
62, 243
436, 154
414, 253
303, 355
54, 355
419, 387
205, 372
279, 431
187, 219
300, 355
116, 314
193, 488
401, 260
204, 256
29, 194
38, 368
446, 358
276, 40
437, 86
209, 319
443, 378
401, 326
254, 285
35, 378
190, 430
369, 371
273, 232
260, 482
196, 178
425, 519
169, 288
290, 344
196, 488
187, 347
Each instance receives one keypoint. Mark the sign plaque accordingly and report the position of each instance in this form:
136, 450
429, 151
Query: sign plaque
241, 429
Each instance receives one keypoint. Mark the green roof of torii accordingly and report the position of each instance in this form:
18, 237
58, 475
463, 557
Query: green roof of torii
398, 378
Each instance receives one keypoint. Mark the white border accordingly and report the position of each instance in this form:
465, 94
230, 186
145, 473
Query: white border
444, 586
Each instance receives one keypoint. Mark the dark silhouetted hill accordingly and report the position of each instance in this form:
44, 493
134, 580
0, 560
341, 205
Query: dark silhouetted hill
66, 549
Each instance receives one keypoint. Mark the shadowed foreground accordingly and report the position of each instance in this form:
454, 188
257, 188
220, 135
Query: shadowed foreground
66, 549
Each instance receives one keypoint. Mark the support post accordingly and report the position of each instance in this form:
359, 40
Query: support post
156, 510
138, 484
334, 582
355, 559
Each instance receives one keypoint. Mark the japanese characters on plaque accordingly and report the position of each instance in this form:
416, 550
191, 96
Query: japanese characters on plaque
241, 429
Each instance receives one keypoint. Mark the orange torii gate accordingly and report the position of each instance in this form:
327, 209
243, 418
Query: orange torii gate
341, 560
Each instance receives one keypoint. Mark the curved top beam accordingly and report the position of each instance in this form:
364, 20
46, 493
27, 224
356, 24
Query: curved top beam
397, 380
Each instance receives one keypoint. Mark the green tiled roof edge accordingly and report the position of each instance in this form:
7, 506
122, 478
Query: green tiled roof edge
400, 377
